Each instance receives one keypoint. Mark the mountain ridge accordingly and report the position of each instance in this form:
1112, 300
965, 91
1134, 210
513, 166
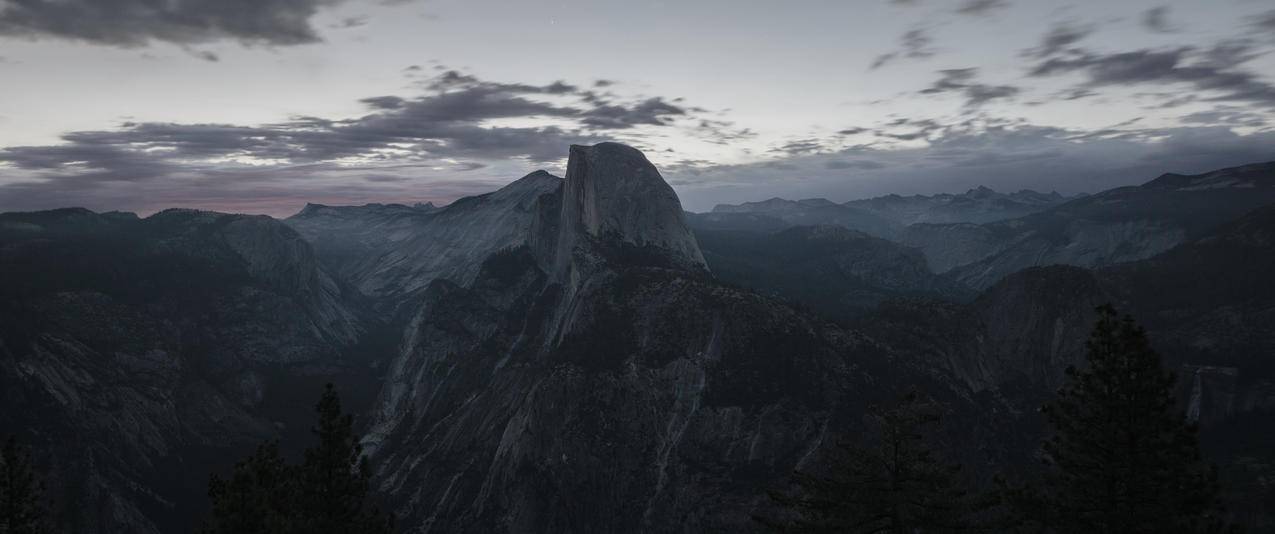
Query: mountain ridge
523, 350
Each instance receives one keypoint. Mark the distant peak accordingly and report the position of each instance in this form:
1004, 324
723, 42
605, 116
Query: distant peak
538, 176
1243, 176
527, 187
981, 191
816, 202
310, 209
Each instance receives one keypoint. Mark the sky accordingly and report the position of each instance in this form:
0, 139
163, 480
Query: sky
260, 106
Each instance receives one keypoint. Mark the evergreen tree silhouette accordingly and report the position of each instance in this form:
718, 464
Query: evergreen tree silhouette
333, 480
899, 484
326, 494
21, 493
257, 498
1122, 458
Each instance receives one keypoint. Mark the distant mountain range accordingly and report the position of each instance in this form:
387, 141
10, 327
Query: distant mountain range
1114, 226
579, 354
884, 216
978, 237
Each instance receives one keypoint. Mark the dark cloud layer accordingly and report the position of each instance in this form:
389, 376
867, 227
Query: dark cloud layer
457, 124
964, 81
137, 22
986, 150
1156, 19
981, 7
913, 44
1265, 21
1059, 38
1216, 70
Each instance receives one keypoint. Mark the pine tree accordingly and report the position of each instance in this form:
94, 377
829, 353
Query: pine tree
897, 485
257, 498
21, 494
1122, 458
327, 493
333, 481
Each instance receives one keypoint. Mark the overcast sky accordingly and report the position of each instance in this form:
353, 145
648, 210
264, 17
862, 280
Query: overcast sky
260, 106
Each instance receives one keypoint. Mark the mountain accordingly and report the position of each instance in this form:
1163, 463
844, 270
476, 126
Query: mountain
1206, 302
1016, 337
137, 354
747, 222
391, 252
1115, 226
978, 205
838, 272
600, 379
1212, 295
578, 354
813, 212
613, 195
1209, 304
884, 216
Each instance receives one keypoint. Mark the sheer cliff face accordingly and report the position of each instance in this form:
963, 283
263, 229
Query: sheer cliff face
614, 196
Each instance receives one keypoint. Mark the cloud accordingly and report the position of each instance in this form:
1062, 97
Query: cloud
350, 22
133, 23
1156, 19
653, 111
862, 165
800, 146
1004, 154
1265, 21
1215, 70
204, 55
1227, 115
1059, 38
980, 8
963, 81
384, 102
459, 123
913, 44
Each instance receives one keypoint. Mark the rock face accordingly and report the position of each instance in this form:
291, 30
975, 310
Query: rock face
138, 354
1120, 225
390, 253
1019, 336
1210, 296
613, 194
